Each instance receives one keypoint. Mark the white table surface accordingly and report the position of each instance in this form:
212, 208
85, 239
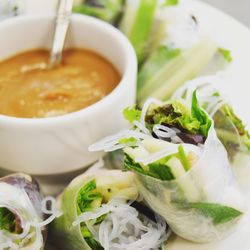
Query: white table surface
239, 9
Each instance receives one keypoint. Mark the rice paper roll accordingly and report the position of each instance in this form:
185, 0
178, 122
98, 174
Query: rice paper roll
181, 168
98, 213
21, 213
178, 51
107, 10
230, 129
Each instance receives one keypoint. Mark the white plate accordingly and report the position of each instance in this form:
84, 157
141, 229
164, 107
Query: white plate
234, 36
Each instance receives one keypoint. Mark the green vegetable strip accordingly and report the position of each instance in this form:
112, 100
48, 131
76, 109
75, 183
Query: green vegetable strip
183, 158
170, 3
156, 60
200, 114
177, 71
241, 128
226, 54
141, 27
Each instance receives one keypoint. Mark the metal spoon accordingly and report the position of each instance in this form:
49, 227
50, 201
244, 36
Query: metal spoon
62, 23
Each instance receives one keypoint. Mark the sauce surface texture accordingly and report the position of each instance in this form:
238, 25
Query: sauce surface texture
82, 79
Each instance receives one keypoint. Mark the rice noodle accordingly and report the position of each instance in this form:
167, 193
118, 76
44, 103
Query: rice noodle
123, 227
28, 233
162, 131
111, 143
52, 211
141, 127
206, 88
5, 242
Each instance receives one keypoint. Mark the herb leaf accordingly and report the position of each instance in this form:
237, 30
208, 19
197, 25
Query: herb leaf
161, 171
132, 114
218, 213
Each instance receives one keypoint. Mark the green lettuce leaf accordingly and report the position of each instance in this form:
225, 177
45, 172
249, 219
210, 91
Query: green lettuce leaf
201, 116
132, 114
172, 114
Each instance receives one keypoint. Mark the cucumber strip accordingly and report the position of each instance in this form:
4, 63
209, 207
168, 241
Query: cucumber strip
177, 71
137, 26
184, 180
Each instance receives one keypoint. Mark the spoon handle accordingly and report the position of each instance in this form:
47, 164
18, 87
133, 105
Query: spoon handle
62, 23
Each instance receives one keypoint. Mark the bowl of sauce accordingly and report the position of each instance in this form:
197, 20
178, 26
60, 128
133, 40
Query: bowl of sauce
83, 78
49, 117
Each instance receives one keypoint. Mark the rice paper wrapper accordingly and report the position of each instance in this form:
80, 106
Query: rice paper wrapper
21, 195
204, 204
65, 234
238, 153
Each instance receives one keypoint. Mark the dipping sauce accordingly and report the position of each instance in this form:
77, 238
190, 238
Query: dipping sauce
82, 79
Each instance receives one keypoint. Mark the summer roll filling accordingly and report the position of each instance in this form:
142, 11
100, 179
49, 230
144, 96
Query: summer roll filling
22, 224
100, 211
181, 168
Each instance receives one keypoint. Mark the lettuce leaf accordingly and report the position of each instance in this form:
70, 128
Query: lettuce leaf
201, 116
173, 114
132, 114
86, 196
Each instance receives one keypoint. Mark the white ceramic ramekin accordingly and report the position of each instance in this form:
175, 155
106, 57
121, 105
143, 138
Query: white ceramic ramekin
60, 144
